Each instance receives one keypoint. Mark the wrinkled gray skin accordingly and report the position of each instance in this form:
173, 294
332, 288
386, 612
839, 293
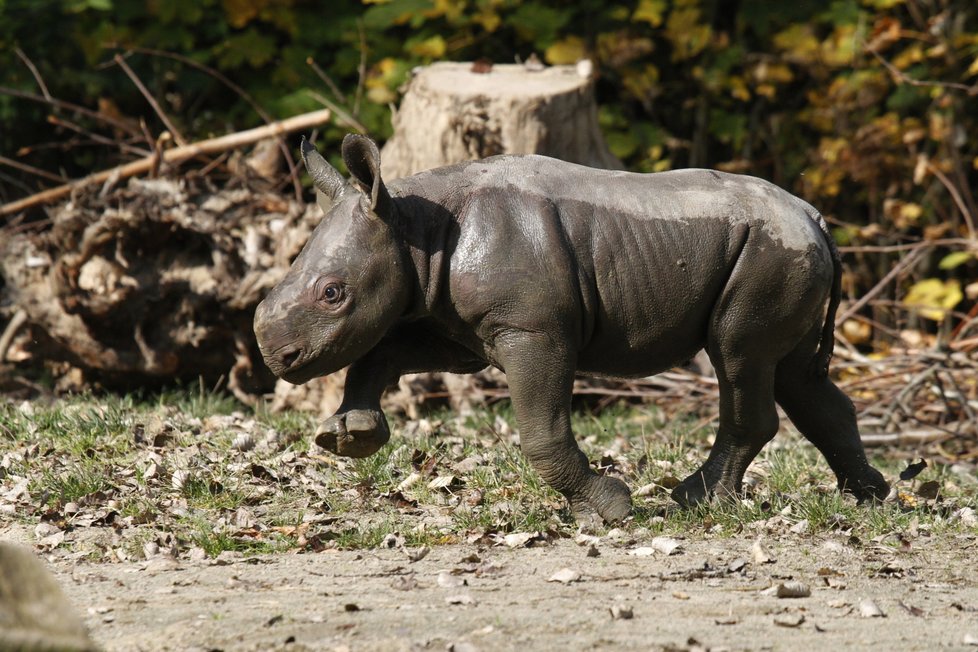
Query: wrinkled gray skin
542, 269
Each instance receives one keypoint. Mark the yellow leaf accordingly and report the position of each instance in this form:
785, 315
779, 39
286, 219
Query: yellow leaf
650, 11
798, 42
431, 48
933, 298
688, 36
839, 47
767, 90
738, 88
568, 50
489, 20
911, 212
772, 72
974, 163
955, 259
241, 12
972, 69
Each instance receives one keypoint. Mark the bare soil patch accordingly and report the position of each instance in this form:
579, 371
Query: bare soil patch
709, 594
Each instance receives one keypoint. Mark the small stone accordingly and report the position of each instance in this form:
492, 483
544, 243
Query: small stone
801, 527
417, 554
519, 539
621, 612
447, 580
793, 590
666, 545
736, 565
789, 620
463, 599
565, 576
760, 553
869, 609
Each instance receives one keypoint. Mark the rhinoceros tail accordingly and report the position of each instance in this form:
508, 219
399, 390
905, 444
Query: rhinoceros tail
826, 344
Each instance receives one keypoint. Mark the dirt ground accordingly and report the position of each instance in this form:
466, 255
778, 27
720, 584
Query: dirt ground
707, 594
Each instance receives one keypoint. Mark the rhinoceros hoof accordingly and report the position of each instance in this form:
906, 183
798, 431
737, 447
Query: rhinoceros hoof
610, 498
870, 487
357, 433
692, 490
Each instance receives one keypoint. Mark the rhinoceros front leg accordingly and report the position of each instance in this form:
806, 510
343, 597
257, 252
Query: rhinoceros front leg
359, 427
540, 373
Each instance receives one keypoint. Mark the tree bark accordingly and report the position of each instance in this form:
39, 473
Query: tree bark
450, 114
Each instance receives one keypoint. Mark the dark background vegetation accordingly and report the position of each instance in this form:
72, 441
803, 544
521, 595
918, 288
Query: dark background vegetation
866, 108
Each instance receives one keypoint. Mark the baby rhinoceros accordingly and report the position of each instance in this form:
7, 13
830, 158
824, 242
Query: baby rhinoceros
543, 269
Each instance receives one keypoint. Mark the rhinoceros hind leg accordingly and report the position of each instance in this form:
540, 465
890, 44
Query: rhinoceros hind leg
825, 416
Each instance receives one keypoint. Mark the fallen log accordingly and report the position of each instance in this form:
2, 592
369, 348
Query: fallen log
174, 156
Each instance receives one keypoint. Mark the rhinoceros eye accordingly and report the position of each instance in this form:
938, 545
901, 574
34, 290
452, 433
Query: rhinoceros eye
332, 293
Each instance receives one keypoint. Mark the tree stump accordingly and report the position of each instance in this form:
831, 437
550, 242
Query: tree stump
450, 113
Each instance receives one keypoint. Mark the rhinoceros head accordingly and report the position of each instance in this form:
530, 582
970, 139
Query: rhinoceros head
347, 287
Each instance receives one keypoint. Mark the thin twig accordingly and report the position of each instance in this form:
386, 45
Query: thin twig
18, 320
911, 258
102, 140
175, 156
33, 69
262, 113
902, 77
327, 79
341, 115
956, 196
361, 69
888, 249
177, 136
68, 106
30, 169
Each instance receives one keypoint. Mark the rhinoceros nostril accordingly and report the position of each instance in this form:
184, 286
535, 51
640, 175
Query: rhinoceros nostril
289, 357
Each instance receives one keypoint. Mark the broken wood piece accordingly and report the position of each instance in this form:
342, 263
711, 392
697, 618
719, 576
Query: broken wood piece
175, 156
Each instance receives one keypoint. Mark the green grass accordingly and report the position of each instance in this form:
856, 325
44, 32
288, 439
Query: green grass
165, 465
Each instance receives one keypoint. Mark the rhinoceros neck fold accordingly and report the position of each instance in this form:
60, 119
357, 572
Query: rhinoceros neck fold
427, 232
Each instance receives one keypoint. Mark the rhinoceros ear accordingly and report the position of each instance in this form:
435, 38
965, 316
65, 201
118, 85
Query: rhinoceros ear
328, 182
363, 161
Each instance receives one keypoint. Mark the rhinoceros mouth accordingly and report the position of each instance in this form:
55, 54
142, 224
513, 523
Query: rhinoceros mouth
302, 373
304, 370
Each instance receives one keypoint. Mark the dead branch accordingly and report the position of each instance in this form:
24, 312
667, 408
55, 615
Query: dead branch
341, 115
37, 76
18, 320
152, 100
901, 77
30, 169
910, 259
956, 196
906, 438
68, 106
102, 140
323, 75
243, 94
175, 156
